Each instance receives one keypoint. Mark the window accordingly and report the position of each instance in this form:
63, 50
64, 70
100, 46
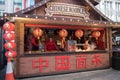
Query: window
2, 2
32, 2
66, 40
17, 5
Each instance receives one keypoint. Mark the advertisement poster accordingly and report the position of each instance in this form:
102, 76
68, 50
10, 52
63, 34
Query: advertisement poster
71, 45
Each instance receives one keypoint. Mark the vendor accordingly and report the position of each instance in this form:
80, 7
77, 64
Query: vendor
28, 44
50, 45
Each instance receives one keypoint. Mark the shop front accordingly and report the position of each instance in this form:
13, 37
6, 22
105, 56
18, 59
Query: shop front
46, 49
60, 41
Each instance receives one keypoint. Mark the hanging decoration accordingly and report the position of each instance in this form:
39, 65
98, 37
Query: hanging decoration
11, 54
9, 36
37, 32
8, 26
96, 34
9, 45
79, 33
63, 34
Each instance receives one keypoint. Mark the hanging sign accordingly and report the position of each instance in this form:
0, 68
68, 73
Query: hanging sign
66, 9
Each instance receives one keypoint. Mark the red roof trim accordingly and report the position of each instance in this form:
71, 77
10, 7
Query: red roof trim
59, 27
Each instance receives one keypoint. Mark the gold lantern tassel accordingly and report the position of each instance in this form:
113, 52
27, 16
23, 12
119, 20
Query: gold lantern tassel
63, 43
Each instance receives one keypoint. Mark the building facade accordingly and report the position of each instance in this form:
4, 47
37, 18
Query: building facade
111, 8
11, 6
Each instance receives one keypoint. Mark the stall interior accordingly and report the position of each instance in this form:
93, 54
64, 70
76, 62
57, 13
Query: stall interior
39, 39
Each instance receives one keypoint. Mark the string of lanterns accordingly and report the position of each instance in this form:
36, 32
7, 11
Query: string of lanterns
9, 36
95, 34
78, 33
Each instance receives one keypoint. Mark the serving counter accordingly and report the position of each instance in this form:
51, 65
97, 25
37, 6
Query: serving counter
39, 64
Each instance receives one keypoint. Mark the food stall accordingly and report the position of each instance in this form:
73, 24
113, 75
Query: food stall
57, 36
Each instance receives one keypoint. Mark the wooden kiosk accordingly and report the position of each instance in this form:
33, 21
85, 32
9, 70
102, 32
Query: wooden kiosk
78, 21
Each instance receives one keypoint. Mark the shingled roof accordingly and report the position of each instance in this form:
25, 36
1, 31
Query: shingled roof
90, 3
96, 17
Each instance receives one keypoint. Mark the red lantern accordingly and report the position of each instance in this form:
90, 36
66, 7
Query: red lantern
11, 54
63, 33
37, 32
9, 31
9, 45
9, 26
9, 36
79, 33
96, 34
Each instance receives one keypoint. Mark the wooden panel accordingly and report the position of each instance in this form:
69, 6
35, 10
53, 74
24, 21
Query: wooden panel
21, 38
19, 31
17, 37
47, 65
93, 14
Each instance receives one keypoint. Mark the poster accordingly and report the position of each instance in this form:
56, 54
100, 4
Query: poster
71, 45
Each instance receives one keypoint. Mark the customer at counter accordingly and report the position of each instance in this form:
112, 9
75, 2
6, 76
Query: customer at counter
50, 45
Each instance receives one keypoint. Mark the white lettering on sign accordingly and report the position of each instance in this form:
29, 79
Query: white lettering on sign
66, 9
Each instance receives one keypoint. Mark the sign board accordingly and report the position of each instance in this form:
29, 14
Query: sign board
42, 65
66, 9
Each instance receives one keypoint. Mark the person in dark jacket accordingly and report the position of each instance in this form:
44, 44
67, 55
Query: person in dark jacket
35, 44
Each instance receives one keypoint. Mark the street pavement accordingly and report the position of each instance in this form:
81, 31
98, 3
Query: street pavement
104, 74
